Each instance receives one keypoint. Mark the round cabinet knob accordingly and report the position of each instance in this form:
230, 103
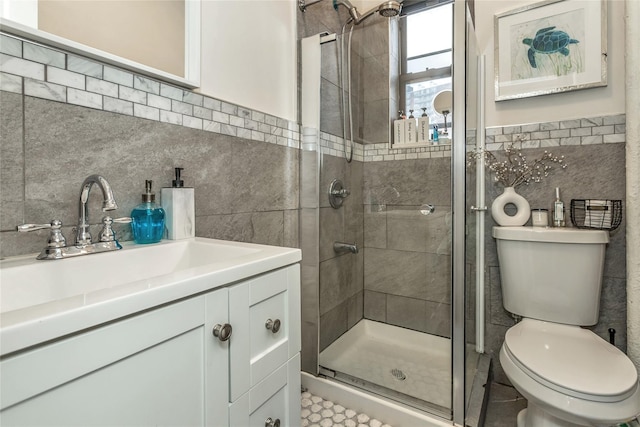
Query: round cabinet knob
269, 422
273, 325
222, 332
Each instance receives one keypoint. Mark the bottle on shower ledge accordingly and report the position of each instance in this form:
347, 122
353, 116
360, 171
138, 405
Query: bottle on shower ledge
423, 127
558, 210
399, 128
410, 129
147, 219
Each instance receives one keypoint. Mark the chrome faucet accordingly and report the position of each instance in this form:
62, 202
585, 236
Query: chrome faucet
57, 245
83, 237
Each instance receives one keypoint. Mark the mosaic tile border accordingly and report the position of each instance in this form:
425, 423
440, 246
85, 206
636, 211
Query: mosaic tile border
334, 146
610, 129
36, 70
589, 131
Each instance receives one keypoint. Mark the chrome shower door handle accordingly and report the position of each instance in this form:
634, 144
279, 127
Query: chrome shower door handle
477, 209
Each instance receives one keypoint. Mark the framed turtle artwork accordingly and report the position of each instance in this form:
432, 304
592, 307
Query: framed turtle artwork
550, 47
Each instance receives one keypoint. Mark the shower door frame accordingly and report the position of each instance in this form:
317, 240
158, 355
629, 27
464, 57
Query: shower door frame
458, 206
311, 162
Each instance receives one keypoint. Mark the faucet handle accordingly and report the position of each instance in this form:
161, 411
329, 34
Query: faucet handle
123, 220
56, 238
107, 234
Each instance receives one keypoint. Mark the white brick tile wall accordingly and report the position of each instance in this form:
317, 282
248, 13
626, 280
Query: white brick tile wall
118, 106
41, 89
102, 87
10, 83
146, 112
120, 77
181, 107
146, 84
43, 55
134, 95
84, 66
20, 67
158, 102
170, 117
83, 98
192, 98
192, 122
65, 78
10, 46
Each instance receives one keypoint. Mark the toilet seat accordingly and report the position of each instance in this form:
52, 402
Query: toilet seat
571, 360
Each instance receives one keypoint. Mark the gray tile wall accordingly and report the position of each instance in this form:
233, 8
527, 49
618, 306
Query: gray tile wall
64, 118
245, 190
341, 275
38, 71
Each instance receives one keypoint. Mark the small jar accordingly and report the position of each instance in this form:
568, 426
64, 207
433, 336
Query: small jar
540, 217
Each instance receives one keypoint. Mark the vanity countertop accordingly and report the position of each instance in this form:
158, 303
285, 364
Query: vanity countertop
44, 300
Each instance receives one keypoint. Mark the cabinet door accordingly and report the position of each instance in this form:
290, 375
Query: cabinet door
265, 314
146, 370
216, 370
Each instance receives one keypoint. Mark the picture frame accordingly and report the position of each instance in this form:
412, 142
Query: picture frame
550, 47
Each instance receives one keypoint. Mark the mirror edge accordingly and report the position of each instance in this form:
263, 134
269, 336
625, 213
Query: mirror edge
192, 71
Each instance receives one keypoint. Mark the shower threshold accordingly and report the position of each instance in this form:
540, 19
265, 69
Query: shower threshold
407, 366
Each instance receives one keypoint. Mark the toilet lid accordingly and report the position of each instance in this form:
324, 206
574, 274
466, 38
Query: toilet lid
571, 360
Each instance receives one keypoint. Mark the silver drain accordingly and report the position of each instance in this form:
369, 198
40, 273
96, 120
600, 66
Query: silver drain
398, 374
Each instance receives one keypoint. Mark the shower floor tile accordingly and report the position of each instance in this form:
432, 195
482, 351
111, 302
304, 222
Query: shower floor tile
399, 359
318, 412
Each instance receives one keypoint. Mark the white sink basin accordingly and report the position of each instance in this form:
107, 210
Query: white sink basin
26, 283
81, 292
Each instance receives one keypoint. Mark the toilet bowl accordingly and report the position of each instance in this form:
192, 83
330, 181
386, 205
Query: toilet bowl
569, 376
552, 279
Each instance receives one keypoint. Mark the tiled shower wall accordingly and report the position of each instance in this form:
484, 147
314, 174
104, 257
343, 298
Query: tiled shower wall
341, 275
357, 286
407, 262
65, 117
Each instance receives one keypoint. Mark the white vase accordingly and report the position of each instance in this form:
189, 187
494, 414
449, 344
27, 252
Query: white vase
509, 196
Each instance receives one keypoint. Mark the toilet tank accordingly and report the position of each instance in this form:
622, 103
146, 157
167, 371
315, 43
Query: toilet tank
552, 274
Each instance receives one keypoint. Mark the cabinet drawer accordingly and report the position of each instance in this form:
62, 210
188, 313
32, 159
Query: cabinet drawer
265, 325
273, 398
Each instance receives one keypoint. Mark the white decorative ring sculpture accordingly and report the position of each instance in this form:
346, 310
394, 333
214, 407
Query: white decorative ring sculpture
509, 196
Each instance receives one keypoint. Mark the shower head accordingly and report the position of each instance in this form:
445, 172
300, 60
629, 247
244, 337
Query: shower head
387, 9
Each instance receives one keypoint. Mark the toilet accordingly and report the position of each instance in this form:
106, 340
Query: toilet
552, 278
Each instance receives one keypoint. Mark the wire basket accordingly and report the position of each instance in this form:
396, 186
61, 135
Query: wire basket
596, 214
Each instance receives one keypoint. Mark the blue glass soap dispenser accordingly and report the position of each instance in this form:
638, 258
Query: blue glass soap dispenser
147, 219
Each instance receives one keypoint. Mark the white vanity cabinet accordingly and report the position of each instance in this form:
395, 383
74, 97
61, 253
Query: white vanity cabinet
164, 366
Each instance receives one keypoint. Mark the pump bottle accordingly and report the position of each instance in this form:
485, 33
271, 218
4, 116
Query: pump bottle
147, 219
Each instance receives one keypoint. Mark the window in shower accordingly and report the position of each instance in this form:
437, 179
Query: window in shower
426, 57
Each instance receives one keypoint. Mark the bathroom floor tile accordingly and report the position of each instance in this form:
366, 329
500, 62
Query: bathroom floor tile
317, 412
